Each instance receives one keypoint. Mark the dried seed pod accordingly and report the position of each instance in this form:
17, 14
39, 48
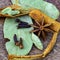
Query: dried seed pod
41, 28
37, 15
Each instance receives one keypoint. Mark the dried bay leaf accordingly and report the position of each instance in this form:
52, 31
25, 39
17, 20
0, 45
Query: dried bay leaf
37, 42
10, 28
48, 8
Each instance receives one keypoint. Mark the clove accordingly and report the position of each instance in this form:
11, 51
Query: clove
23, 26
18, 43
15, 40
21, 43
21, 22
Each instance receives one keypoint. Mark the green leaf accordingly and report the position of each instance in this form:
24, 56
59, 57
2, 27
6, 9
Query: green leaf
14, 12
10, 28
6, 11
15, 50
9, 11
37, 42
48, 8
51, 10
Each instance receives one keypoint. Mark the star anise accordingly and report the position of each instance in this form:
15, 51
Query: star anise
41, 28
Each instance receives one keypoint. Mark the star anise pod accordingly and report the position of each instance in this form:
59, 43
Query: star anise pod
41, 28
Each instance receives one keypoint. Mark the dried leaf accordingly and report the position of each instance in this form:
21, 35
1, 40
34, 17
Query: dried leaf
37, 42
10, 28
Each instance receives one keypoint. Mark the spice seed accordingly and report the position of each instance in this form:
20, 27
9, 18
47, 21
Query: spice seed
21, 43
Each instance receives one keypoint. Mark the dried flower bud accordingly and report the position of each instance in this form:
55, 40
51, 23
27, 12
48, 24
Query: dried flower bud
21, 43
23, 26
15, 40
